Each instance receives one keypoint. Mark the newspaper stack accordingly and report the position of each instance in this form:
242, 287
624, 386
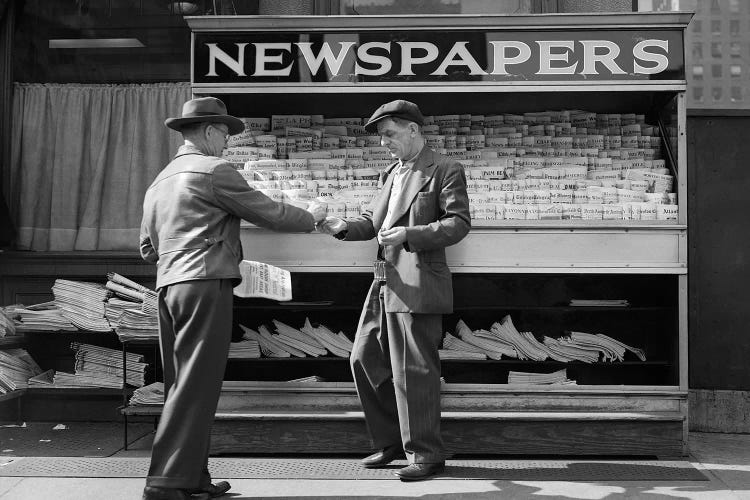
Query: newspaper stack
45, 317
611, 349
114, 307
298, 343
16, 367
7, 326
246, 349
525, 344
148, 395
490, 344
455, 348
106, 364
337, 343
82, 303
44, 379
554, 378
566, 350
131, 290
311, 378
599, 302
269, 347
134, 324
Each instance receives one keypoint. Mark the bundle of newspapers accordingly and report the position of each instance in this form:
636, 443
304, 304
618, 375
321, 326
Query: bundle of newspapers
82, 303
46, 317
305, 341
7, 325
134, 313
245, 349
97, 366
16, 367
148, 395
503, 340
560, 377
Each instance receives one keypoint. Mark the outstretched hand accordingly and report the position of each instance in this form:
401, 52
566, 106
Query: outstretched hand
318, 211
332, 225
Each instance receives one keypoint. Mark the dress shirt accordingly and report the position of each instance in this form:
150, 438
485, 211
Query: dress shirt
398, 179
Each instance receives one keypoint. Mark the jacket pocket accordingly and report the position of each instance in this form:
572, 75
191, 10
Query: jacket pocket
186, 243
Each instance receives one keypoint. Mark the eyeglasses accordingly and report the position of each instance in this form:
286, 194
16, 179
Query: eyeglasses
225, 132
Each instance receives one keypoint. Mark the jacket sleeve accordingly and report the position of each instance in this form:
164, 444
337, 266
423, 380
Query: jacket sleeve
234, 195
148, 252
454, 219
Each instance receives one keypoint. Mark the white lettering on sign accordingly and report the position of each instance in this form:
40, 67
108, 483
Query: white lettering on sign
408, 59
261, 58
364, 55
501, 59
333, 62
236, 65
607, 58
464, 58
661, 60
554, 57
546, 56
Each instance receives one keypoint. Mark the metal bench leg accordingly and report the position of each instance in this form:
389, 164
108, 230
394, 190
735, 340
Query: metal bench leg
125, 432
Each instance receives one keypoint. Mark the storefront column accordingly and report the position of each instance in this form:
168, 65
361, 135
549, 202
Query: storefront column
285, 7
595, 5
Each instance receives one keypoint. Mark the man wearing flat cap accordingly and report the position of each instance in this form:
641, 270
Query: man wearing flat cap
421, 208
191, 231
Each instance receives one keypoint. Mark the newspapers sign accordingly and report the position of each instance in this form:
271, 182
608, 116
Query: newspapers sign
376, 57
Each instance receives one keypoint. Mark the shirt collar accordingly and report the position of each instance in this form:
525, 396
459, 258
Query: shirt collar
188, 149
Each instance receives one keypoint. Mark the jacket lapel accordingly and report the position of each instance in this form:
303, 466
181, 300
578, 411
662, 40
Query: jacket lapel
413, 182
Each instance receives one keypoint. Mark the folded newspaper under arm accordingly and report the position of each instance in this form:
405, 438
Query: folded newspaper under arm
264, 280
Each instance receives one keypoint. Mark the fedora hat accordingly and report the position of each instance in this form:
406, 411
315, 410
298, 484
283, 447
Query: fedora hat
205, 109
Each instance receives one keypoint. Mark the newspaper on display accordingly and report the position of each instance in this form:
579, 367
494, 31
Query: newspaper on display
264, 281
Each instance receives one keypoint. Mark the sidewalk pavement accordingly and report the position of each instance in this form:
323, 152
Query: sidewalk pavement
724, 458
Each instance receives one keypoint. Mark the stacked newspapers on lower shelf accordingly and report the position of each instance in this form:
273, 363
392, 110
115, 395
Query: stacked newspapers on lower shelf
503, 340
560, 377
16, 368
148, 395
96, 367
305, 341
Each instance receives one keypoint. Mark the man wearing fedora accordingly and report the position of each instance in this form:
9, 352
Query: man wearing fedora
421, 208
191, 230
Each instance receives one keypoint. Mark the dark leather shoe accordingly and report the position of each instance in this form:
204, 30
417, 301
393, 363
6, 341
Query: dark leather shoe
213, 490
383, 457
156, 493
418, 472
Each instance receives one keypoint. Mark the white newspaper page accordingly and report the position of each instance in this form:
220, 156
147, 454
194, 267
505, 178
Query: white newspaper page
264, 280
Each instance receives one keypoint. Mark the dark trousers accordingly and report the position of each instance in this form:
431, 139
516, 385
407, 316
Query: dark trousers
396, 370
195, 328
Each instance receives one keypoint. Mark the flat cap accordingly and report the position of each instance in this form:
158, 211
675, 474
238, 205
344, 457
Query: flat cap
398, 109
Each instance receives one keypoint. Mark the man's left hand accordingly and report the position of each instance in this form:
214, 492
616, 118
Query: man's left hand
392, 236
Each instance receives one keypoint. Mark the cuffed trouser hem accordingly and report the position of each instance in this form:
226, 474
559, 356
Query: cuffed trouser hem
183, 483
426, 459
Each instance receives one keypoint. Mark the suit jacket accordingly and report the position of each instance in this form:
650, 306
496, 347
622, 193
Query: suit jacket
191, 218
434, 208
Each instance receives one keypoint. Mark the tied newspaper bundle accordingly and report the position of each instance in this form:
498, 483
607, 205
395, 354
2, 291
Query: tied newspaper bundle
134, 315
264, 281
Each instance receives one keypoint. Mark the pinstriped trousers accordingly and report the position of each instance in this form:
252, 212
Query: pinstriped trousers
396, 369
195, 328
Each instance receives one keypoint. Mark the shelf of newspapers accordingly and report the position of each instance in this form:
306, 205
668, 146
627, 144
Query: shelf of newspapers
571, 287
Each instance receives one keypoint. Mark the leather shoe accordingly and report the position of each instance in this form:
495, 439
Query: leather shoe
383, 457
418, 472
213, 490
157, 493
